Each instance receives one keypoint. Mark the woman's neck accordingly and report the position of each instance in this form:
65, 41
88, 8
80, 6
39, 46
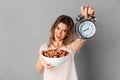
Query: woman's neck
58, 44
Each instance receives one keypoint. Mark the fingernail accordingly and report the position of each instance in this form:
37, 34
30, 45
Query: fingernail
48, 63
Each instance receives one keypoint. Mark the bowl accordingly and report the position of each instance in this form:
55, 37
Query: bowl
56, 59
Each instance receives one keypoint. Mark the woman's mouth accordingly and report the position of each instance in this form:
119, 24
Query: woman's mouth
58, 36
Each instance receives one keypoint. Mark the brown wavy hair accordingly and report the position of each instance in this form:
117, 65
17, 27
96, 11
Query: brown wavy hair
70, 33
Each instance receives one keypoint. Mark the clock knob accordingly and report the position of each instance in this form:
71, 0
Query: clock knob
92, 18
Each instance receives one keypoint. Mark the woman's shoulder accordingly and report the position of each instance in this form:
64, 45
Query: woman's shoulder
70, 47
44, 46
70, 44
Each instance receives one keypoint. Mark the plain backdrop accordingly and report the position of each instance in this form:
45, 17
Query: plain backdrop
25, 25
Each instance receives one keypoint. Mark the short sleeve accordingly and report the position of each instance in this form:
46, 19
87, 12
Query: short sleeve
74, 50
70, 48
43, 47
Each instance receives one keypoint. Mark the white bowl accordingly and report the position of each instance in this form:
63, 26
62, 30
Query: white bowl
56, 61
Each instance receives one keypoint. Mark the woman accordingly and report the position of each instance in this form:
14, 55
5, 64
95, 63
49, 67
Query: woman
62, 37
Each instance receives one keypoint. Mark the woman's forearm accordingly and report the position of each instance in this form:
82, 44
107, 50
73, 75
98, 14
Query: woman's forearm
39, 66
78, 43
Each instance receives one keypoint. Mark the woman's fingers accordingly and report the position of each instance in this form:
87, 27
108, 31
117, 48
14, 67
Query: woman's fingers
43, 62
87, 11
83, 10
47, 65
91, 10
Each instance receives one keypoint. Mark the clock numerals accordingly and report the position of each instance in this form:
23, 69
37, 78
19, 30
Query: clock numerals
87, 29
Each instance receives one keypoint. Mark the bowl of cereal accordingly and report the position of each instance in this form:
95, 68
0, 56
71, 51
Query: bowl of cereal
55, 57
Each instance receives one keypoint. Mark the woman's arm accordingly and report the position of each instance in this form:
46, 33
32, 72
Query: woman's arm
86, 11
41, 63
77, 44
39, 66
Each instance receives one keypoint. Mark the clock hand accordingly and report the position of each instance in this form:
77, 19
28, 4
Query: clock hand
86, 29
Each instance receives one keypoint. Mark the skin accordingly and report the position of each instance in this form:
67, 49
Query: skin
60, 33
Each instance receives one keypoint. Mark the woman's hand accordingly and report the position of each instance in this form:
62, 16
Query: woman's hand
87, 11
44, 63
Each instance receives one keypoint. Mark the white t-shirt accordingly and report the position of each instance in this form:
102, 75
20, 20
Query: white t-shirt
66, 71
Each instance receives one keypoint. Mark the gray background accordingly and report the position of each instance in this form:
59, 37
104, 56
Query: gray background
25, 25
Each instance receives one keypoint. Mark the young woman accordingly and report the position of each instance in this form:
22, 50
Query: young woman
62, 37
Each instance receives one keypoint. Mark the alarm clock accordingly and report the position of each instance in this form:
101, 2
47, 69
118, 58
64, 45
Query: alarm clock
85, 28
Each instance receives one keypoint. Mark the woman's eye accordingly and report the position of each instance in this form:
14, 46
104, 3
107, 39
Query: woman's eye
64, 30
58, 28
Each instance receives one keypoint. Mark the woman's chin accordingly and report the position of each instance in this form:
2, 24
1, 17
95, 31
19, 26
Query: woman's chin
58, 39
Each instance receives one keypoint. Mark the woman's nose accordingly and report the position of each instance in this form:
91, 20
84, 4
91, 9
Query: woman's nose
60, 31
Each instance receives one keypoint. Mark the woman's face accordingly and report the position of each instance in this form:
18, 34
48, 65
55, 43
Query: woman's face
60, 31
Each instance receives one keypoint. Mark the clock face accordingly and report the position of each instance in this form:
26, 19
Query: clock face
87, 29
